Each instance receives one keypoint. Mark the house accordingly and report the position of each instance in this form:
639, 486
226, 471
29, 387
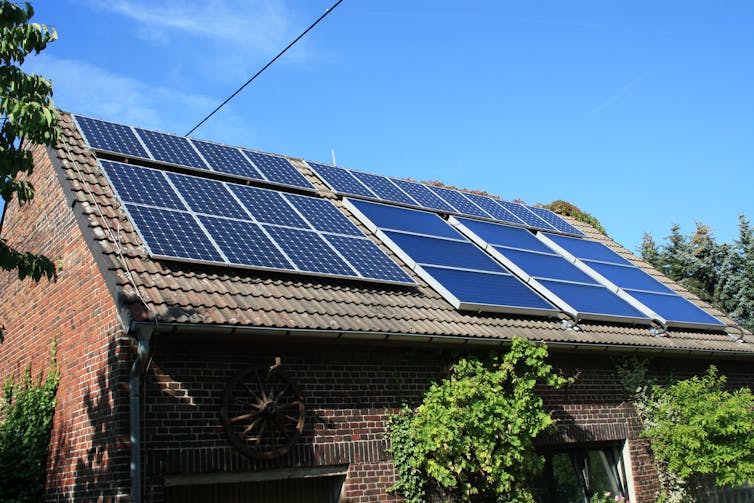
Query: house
175, 347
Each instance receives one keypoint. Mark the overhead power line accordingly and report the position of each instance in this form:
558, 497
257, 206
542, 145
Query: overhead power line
265, 67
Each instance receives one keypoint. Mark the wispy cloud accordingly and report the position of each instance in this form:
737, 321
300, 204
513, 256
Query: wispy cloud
85, 88
618, 95
259, 25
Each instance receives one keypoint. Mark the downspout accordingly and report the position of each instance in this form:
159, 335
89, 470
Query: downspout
143, 335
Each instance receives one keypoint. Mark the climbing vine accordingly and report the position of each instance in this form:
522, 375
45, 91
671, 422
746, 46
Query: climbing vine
26, 411
471, 438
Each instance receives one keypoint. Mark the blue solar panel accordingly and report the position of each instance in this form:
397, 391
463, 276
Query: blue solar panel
500, 292
461, 203
278, 170
423, 195
172, 234
588, 250
503, 235
495, 210
592, 300
368, 259
528, 217
629, 277
225, 159
268, 206
111, 137
323, 215
135, 184
309, 251
543, 266
676, 309
383, 187
662, 301
244, 243
207, 196
555, 221
436, 251
340, 180
171, 149
404, 219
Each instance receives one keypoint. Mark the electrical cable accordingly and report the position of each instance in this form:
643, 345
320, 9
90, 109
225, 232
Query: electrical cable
265, 67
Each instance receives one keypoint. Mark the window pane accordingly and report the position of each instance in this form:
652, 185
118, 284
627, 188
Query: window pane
568, 486
602, 474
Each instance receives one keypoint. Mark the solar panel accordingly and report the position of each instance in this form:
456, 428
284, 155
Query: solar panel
495, 210
463, 274
183, 217
245, 243
460, 202
633, 284
171, 149
550, 274
322, 215
278, 170
207, 196
424, 196
135, 184
555, 221
225, 159
522, 212
109, 137
383, 187
341, 180
172, 234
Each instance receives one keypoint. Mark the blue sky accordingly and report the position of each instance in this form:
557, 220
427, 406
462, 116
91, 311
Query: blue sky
639, 112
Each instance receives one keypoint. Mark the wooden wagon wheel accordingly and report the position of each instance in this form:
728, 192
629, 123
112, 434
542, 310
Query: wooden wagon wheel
262, 412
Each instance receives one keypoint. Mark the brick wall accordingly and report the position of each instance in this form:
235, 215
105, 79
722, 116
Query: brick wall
78, 311
348, 391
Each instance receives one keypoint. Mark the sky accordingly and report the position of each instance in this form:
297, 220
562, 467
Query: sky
638, 112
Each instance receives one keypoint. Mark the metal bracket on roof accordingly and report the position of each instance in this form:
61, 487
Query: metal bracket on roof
739, 339
659, 328
572, 324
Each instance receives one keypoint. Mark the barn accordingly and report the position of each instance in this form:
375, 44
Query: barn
233, 325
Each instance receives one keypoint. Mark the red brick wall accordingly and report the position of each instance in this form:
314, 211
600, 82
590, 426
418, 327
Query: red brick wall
78, 311
351, 389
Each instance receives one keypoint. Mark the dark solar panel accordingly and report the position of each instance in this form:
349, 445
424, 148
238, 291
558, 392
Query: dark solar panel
244, 243
456, 254
424, 196
385, 216
341, 180
555, 221
135, 184
278, 170
207, 196
383, 187
171, 149
110, 137
495, 210
368, 259
225, 159
268, 206
323, 215
460, 202
529, 218
172, 234
309, 251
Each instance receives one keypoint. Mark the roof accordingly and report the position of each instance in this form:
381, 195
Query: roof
196, 295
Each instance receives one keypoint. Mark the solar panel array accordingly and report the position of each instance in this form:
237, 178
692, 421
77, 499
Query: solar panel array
647, 293
429, 197
185, 217
462, 273
189, 153
548, 272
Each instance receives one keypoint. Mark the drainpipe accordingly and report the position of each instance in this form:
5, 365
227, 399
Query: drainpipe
143, 335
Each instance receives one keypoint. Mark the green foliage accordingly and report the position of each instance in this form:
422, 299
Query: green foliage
703, 432
471, 439
26, 409
570, 210
722, 274
607, 497
28, 117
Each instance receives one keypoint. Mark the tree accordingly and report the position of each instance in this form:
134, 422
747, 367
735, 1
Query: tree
28, 117
722, 274
471, 439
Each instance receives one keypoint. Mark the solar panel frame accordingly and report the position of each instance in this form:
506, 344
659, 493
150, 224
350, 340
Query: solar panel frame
394, 218
526, 260
391, 239
560, 243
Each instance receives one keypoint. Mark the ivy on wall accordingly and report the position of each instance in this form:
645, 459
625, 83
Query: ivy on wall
26, 412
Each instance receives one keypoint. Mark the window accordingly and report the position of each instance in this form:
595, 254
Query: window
573, 474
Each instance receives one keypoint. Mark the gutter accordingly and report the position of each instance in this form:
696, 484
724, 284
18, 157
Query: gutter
377, 336
143, 335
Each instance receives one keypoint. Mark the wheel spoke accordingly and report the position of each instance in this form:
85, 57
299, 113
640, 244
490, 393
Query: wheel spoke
252, 393
261, 386
243, 417
289, 405
253, 425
